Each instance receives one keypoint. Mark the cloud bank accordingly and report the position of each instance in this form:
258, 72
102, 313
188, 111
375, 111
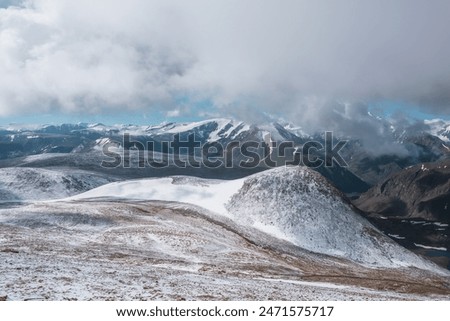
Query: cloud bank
289, 57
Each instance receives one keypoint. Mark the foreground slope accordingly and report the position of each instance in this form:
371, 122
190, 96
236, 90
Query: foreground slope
133, 250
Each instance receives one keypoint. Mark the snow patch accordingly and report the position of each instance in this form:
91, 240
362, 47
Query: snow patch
209, 194
430, 247
398, 237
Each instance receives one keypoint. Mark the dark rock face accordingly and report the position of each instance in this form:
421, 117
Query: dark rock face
413, 208
421, 191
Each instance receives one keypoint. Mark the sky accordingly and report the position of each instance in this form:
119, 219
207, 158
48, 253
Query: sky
319, 64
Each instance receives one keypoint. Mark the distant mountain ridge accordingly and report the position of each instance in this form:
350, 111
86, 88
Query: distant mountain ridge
82, 143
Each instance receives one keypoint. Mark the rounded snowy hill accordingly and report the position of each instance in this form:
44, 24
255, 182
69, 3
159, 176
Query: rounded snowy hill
301, 206
295, 204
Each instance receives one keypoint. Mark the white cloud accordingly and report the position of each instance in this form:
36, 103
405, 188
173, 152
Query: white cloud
173, 113
78, 57
90, 56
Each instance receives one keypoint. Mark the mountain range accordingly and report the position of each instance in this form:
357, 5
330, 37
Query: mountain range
81, 145
341, 232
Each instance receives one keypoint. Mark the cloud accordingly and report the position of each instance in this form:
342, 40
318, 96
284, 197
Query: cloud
61, 55
298, 58
173, 113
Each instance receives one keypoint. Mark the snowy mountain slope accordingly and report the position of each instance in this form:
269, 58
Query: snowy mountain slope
20, 184
25, 140
439, 128
291, 203
315, 216
223, 129
130, 250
